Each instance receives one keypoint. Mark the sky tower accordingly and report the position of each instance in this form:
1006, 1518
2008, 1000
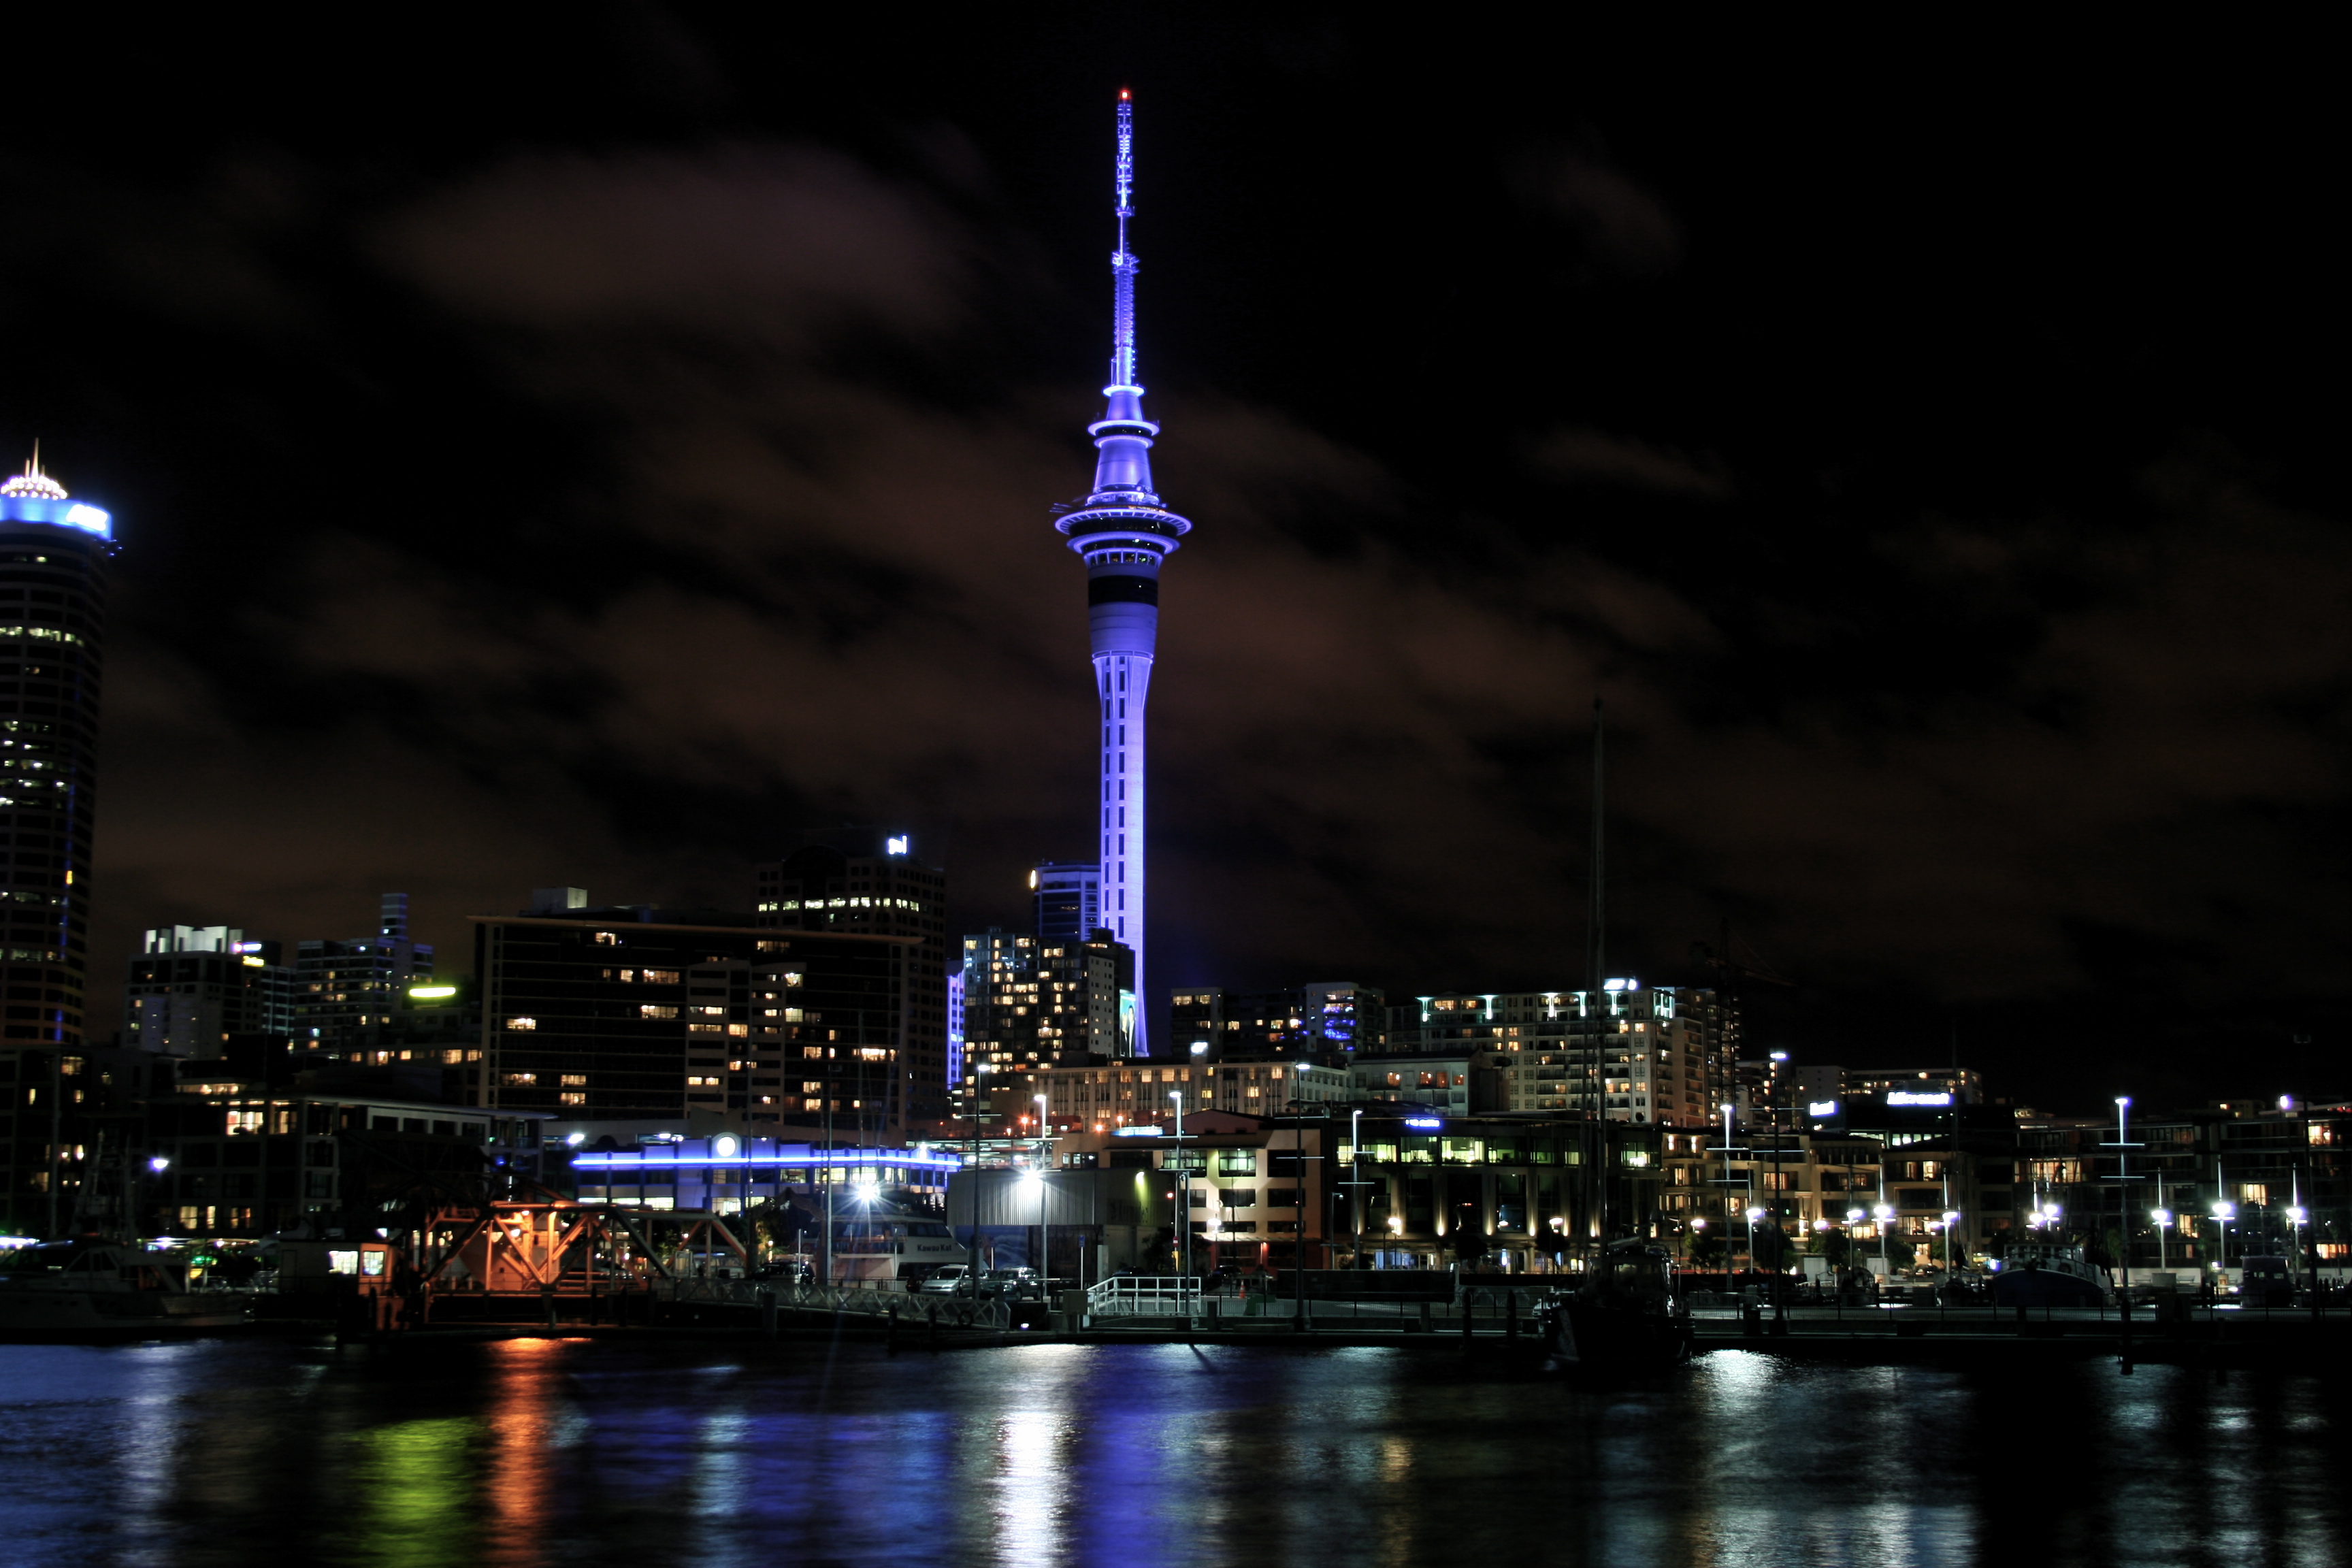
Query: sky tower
1123, 533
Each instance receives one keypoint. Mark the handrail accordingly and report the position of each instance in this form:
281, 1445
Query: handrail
1130, 1296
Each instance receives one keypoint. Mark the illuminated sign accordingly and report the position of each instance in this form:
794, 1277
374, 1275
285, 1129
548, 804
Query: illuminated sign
726, 1146
1200, 1047
1907, 1097
1821, 1108
897, 846
1134, 1131
1425, 1123
628, 1160
1621, 985
431, 992
244, 947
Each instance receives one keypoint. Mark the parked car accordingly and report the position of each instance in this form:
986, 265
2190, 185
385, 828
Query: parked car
948, 1279
1013, 1283
796, 1270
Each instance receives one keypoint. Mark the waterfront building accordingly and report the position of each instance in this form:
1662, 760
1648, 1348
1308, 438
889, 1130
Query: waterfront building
54, 552
634, 1012
1124, 533
347, 992
1805, 1184
873, 884
1420, 1192
1069, 898
725, 1173
1628, 1052
2236, 1168
336, 1147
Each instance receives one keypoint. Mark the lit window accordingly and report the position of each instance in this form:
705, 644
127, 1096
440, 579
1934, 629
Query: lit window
522, 1023
656, 1010
573, 1098
575, 1081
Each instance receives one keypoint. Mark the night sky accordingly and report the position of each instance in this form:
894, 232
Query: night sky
595, 449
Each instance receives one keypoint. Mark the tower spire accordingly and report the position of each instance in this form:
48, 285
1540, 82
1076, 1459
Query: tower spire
1123, 261
1123, 435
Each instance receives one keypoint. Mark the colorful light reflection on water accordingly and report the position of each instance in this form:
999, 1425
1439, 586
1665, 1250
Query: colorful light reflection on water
571, 1451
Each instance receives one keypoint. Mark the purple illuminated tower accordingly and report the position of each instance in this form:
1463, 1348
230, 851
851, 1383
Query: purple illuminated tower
1124, 533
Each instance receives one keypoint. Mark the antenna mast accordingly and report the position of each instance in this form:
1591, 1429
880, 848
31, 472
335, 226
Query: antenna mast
1123, 261
1596, 954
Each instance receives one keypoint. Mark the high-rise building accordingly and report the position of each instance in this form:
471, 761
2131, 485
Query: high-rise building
1123, 533
1030, 1003
53, 555
348, 992
1068, 895
192, 987
1625, 1053
638, 1013
874, 885
53, 569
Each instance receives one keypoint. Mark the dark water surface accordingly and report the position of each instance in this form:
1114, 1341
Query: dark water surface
560, 1451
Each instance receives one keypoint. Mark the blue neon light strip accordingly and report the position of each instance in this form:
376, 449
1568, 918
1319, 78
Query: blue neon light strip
63, 513
766, 1162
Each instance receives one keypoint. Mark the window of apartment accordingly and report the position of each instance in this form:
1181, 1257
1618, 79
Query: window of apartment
522, 1023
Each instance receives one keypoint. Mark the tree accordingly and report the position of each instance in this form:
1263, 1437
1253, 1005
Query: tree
1837, 1246
1707, 1249
1468, 1240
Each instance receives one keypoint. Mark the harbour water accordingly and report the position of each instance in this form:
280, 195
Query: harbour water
582, 1452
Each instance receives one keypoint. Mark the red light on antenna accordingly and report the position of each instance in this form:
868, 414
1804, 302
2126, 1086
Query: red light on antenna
1122, 95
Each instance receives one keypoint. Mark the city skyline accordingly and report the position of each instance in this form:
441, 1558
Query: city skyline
1947, 539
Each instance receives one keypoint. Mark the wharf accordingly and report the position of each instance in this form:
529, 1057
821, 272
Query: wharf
2199, 1334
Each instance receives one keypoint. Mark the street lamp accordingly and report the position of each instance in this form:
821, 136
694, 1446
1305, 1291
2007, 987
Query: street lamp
1753, 1215
2163, 1218
1183, 1190
1036, 1178
1356, 1182
1951, 1218
1885, 1214
2223, 1213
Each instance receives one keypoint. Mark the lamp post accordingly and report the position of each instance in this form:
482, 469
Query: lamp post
1045, 1153
1183, 1190
1951, 1218
2163, 1218
2224, 1211
1885, 1214
1356, 1184
971, 1259
1754, 1214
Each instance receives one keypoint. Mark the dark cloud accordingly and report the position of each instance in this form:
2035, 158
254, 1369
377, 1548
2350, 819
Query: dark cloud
590, 499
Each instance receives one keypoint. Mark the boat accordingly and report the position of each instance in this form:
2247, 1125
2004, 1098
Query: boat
1624, 1319
86, 1289
2045, 1273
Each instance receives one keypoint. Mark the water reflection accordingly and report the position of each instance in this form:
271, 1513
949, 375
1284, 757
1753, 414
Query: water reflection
574, 1452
